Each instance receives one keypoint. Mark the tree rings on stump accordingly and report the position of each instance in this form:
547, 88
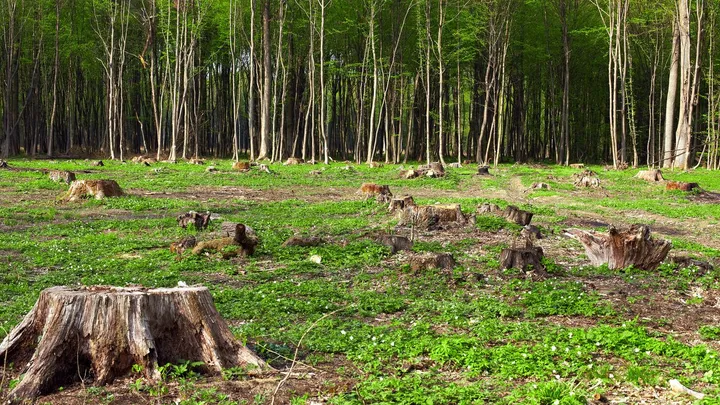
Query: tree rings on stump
104, 331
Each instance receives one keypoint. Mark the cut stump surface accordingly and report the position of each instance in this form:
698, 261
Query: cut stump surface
103, 331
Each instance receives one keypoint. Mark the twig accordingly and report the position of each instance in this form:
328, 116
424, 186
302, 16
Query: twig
297, 349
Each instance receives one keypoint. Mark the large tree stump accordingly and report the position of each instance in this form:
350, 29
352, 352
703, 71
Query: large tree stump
435, 169
293, 161
650, 175
587, 178
620, 249
518, 216
102, 332
93, 188
483, 171
429, 260
432, 217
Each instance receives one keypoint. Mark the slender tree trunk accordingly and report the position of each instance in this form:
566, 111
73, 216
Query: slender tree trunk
265, 107
56, 68
669, 153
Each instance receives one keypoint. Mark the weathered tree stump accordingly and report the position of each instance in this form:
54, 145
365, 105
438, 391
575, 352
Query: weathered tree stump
620, 249
199, 220
435, 169
196, 161
587, 178
61, 175
183, 244
511, 213
264, 168
650, 175
239, 235
428, 261
395, 243
303, 241
3, 164
540, 186
93, 188
375, 165
682, 186
527, 258
103, 331
518, 216
483, 171
400, 203
432, 217
241, 166
409, 174
98, 163
531, 232
293, 161
455, 165
577, 165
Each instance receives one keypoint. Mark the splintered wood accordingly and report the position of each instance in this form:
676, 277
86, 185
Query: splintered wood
620, 249
104, 331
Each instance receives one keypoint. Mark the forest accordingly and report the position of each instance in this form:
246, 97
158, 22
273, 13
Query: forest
604, 81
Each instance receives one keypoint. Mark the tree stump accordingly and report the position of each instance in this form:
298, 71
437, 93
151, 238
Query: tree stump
650, 175
200, 221
93, 188
620, 249
488, 208
587, 178
432, 217
98, 163
61, 175
400, 203
483, 170
518, 216
435, 169
682, 186
409, 174
103, 331
293, 161
241, 166
3, 164
577, 165
428, 261
528, 259
239, 235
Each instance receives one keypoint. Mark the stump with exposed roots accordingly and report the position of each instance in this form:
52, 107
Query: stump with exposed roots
620, 249
101, 332
98, 189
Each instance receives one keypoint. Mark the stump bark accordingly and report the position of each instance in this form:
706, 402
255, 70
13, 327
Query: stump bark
400, 203
527, 258
650, 175
103, 331
518, 216
431, 217
682, 186
620, 249
93, 188
428, 261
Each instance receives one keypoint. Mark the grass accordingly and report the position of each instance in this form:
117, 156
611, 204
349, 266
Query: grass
473, 334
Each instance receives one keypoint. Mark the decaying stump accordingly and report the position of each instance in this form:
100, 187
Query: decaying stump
540, 186
293, 161
381, 193
435, 169
241, 236
518, 216
147, 161
587, 178
511, 213
432, 217
98, 163
104, 331
395, 243
200, 221
409, 174
620, 249
527, 258
241, 166
427, 261
455, 165
183, 244
93, 188
577, 165
303, 241
682, 186
400, 203
196, 161
483, 171
650, 175
61, 175
3, 164
375, 165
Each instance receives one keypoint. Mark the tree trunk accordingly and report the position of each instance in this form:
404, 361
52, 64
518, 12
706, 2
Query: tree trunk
104, 331
670, 104
265, 109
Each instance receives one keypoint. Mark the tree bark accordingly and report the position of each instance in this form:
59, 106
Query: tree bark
107, 330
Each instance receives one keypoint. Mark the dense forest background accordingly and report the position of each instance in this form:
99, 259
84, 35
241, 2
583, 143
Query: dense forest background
616, 81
